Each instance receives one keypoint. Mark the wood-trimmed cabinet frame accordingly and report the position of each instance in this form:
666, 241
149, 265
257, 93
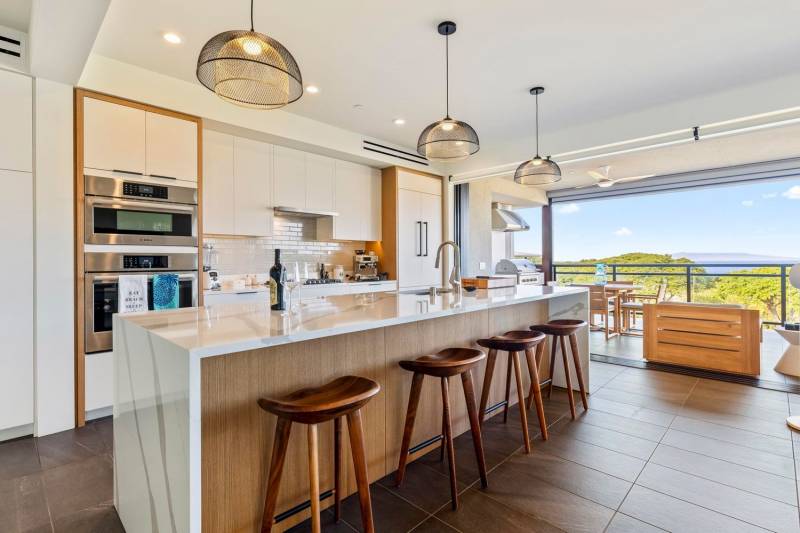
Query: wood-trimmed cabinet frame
78, 214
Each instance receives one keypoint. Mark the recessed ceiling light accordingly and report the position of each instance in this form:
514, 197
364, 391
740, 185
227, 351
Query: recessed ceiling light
313, 89
399, 121
172, 38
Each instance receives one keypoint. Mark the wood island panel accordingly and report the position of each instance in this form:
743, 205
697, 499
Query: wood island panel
237, 435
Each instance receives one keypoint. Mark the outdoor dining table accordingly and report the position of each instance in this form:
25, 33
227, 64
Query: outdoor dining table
619, 290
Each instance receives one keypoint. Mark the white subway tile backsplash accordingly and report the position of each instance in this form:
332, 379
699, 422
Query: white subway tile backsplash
296, 238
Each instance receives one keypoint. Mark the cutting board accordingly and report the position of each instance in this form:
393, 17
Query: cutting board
493, 282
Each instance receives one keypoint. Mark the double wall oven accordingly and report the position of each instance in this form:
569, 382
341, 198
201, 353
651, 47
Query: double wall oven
103, 270
134, 226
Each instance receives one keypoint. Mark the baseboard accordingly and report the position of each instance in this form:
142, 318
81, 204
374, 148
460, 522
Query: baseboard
102, 412
26, 430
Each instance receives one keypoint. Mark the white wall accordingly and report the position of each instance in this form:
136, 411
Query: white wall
54, 404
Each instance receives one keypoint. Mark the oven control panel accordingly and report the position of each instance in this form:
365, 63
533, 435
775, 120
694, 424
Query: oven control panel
141, 190
142, 262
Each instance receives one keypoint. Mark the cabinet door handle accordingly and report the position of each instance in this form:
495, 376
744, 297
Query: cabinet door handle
162, 176
426, 239
419, 252
127, 172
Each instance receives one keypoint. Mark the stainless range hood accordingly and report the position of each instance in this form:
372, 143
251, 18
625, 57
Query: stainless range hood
307, 213
505, 219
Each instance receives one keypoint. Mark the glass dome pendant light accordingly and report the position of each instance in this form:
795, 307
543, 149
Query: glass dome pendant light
537, 171
447, 139
250, 69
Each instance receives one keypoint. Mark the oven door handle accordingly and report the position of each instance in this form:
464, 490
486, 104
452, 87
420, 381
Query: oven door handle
151, 206
104, 278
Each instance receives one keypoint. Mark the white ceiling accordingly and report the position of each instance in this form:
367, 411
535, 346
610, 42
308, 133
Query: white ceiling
15, 14
597, 60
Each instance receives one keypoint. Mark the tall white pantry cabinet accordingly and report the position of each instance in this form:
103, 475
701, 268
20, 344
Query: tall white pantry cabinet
16, 267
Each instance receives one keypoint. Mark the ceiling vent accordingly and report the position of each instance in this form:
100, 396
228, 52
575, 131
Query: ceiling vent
13, 48
396, 153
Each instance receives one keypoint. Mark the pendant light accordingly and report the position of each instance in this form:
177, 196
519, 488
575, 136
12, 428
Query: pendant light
447, 139
249, 69
537, 171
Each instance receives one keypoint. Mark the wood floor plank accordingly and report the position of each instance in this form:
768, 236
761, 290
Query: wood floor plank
628, 426
774, 428
748, 479
733, 435
640, 399
588, 483
622, 523
662, 391
716, 405
479, 513
528, 494
607, 461
734, 398
673, 514
745, 506
643, 414
606, 438
764, 461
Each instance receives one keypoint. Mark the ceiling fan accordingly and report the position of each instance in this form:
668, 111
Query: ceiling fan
602, 179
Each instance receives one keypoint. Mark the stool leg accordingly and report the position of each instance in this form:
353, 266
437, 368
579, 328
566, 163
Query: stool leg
539, 354
442, 447
279, 446
508, 388
536, 390
523, 413
552, 371
451, 458
337, 468
491, 359
356, 430
573, 343
413, 402
313, 477
570, 396
474, 424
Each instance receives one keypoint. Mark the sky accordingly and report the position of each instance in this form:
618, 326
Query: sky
761, 218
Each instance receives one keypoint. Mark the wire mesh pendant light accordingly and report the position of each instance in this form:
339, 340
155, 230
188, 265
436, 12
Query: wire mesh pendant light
447, 139
537, 171
250, 69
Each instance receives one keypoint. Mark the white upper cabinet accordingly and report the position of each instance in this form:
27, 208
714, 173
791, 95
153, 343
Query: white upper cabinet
171, 147
218, 183
289, 178
114, 136
320, 172
357, 196
130, 140
237, 185
16, 117
252, 170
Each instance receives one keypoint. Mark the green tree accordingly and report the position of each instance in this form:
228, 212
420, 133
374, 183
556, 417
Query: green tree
759, 293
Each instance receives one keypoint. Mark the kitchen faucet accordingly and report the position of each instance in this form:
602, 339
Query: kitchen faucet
455, 273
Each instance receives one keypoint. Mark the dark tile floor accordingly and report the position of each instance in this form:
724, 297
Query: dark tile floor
655, 452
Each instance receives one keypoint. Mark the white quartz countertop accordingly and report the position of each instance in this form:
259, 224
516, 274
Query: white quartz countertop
222, 329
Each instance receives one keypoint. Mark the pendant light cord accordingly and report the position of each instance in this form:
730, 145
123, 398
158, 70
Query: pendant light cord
252, 28
537, 125
447, 75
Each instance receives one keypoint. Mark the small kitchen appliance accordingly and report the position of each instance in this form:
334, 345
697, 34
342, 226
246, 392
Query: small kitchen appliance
526, 272
365, 267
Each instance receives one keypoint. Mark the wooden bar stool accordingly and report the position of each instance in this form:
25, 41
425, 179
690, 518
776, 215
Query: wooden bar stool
344, 396
559, 330
514, 342
447, 363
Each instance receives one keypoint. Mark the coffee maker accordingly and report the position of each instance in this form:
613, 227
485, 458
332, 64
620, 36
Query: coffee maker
365, 266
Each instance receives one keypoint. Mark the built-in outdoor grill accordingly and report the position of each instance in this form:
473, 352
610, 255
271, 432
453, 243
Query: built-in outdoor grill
526, 272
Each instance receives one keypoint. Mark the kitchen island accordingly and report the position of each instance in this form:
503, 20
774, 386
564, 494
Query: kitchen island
192, 447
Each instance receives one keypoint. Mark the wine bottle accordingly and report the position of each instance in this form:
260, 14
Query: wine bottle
276, 284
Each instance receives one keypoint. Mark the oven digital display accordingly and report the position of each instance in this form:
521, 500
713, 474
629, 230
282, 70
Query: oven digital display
143, 222
144, 191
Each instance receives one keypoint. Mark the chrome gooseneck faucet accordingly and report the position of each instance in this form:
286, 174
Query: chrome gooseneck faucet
455, 273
